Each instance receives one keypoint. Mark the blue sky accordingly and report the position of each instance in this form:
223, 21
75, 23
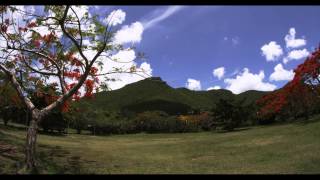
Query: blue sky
185, 44
194, 40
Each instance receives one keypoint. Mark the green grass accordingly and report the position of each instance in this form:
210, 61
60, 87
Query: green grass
288, 148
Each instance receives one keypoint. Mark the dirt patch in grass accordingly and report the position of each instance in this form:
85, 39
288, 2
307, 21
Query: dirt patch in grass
266, 141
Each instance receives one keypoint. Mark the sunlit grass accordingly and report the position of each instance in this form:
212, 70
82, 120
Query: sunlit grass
289, 148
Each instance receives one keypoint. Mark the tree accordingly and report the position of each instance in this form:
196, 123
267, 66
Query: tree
229, 114
10, 104
76, 118
298, 96
56, 47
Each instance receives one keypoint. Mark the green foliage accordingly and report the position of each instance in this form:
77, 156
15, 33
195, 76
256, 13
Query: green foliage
156, 122
142, 99
146, 94
229, 114
172, 108
54, 121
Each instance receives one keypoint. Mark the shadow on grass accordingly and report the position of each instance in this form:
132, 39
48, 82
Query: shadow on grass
52, 133
12, 127
304, 121
234, 130
56, 160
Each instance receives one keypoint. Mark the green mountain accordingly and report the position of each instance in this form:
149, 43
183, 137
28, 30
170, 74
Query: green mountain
155, 94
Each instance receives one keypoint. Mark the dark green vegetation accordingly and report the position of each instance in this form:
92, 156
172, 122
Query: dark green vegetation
152, 106
123, 111
287, 148
155, 90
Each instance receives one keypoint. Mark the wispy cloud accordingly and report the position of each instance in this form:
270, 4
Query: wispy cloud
160, 16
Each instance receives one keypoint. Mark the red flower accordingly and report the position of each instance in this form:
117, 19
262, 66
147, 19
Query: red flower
89, 85
72, 75
4, 28
31, 25
49, 38
93, 70
36, 43
22, 29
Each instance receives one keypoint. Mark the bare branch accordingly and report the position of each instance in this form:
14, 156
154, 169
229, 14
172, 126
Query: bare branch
38, 54
70, 37
79, 26
40, 72
126, 72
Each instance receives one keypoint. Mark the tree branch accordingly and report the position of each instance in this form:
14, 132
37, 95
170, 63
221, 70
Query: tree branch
40, 72
18, 88
38, 54
70, 37
79, 26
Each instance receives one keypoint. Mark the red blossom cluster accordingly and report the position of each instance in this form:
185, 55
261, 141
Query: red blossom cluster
93, 70
89, 85
72, 75
49, 37
21, 29
296, 91
74, 61
32, 24
3, 28
36, 43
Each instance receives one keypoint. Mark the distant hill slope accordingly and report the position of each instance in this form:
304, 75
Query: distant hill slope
153, 90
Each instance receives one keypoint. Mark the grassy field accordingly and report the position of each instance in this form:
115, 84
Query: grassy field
289, 148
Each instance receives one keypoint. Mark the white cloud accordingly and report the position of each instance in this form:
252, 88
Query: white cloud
3, 45
164, 15
235, 40
80, 10
129, 34
146, 68
213, 88
115, 17
281, 74
247, 81
219, 72
285, 60
298, 54
292, 42
124, 56
193, 84
124, 59
123, 79
271, 51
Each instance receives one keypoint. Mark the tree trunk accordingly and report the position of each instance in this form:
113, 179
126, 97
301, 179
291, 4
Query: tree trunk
5, 122
31, 142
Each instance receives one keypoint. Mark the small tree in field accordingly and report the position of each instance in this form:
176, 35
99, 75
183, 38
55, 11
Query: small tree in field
57, 54
299, 95
229, 114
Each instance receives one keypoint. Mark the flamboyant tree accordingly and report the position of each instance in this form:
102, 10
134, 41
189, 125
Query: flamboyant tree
301, 93
58, 53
